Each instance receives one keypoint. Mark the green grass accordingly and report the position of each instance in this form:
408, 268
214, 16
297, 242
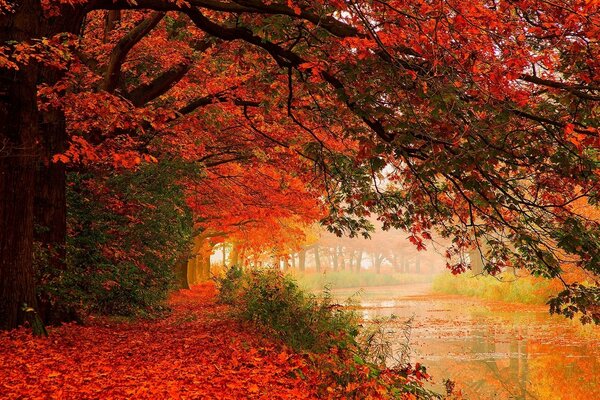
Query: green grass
505, 287
346, 279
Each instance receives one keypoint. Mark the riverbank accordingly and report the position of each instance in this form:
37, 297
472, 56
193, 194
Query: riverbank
346, 279
197, 352
504, 287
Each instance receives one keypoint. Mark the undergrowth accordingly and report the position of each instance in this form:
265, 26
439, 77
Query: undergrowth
350, 362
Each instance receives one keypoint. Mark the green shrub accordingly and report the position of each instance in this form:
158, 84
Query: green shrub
125, 233
348, 364
274, 300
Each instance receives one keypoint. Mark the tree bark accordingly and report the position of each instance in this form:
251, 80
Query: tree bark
335, 259
234, 255
317, 259
112, 18
181, 273
191, 271
302, 260
19, 136
359, 256
204, 270
378, 261
351, 260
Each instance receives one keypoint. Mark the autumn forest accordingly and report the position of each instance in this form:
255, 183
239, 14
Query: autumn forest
290, 199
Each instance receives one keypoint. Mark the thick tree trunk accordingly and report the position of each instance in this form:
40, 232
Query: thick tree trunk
50, 208
50, 203
18, 153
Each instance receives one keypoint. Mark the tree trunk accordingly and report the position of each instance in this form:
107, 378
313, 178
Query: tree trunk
302, 260
19, 136
359, 256
378, 261
351, 261
335, 258
50, 203
395, 263
317, 259
191, 271
204, 264
234, 255
181, 274
112, 18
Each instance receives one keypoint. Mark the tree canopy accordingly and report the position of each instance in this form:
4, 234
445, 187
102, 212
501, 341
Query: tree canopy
476, 121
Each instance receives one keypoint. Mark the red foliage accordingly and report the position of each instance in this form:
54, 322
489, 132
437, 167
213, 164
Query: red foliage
194, 353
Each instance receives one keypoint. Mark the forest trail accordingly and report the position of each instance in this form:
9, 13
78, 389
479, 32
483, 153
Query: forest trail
198, 352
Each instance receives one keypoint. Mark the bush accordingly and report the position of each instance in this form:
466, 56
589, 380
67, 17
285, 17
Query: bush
125, 233
349, 365
271, 299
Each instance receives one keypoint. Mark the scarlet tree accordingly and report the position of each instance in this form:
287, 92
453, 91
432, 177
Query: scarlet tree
477, 119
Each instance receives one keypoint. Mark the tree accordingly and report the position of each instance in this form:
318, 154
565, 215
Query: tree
476, 120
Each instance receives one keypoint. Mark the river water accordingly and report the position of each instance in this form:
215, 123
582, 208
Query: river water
492, 350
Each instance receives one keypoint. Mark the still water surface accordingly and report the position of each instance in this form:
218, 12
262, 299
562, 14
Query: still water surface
492, 350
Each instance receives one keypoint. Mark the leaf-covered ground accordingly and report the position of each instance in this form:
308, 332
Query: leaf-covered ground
198, 352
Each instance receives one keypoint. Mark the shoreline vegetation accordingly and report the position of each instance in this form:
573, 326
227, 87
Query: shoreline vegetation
346, 279
352, 358
506, 287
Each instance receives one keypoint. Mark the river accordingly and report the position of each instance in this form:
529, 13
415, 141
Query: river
492, 350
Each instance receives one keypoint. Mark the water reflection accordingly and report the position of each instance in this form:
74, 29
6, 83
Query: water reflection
493, 350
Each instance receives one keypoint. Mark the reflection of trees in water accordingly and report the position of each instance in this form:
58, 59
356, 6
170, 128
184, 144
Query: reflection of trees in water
493, 378
554, 362
500, 351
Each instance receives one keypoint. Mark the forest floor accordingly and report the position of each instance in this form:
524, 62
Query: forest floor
198, 352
